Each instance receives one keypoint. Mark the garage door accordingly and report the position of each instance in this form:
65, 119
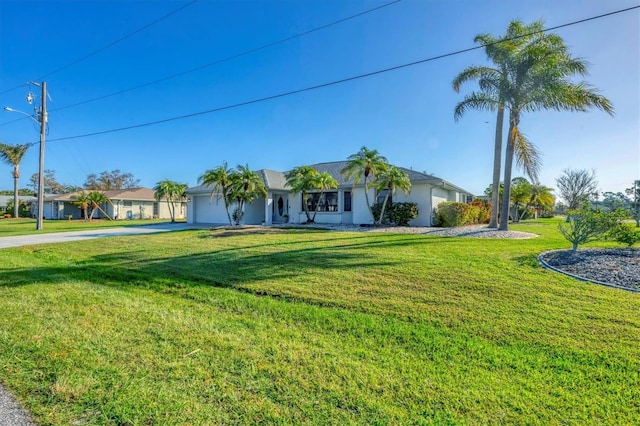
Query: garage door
207, 210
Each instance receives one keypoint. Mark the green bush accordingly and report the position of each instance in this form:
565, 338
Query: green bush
397, 214
452, 214
624, 234
587, 225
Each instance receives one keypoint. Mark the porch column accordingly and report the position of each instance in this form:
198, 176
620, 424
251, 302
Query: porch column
268, 202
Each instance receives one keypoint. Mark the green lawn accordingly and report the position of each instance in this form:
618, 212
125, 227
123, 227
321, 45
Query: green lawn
314, 327
10, 227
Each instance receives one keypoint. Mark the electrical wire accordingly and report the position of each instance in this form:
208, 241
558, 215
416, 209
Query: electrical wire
229, 58
113, 43
220, 61
336, 82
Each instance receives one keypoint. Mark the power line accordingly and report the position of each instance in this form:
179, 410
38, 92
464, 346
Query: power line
219, 61
113, 43
229, 58
336, 82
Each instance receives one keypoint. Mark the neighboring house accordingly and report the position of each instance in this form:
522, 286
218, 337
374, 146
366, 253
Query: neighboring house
345, 205
135, 203
5, 200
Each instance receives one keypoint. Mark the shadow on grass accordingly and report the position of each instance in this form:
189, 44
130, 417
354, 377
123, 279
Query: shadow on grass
230, 267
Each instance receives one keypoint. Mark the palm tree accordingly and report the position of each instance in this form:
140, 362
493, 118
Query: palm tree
365, 164
323, 181
391, 179
535, 77
302, 179
246, 186
172, 192
12, 154
541, 198
520, 194
492, 82
220, 181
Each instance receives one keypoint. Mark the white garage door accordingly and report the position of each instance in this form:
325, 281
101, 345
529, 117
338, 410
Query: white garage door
207, 210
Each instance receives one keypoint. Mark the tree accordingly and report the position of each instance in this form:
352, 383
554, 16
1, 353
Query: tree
634, 194
246, 186
536, 77
172, 192
302, 179
520, 194
615, 200
219, 179
587, 225
493, 83
12, 154
108, 180
51, 185
323, 182
391, 179
365, 164
91, 201
576, 186
541, 199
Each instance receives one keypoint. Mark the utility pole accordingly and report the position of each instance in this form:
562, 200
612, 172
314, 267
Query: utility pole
42, 117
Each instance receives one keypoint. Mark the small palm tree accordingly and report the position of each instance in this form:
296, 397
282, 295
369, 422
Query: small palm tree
541, 199
246, 186
520, 194
365, 164
323, 181
172, 192
219, 179
391, 179
12, 154
302, 179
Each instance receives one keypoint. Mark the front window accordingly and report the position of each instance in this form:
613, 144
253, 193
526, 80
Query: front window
381, 194
347, 201
327, 203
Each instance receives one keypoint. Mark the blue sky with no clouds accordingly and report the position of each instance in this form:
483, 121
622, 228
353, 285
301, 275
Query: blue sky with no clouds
406, 114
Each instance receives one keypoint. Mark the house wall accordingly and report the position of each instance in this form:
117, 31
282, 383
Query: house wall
419, 194
254, 212
359, 210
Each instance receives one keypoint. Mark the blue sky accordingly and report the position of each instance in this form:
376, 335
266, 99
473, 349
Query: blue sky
407, 114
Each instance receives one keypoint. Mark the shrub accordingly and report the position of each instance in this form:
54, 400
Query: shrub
451, 214
587, 225
397, 214
624, 234
401, 213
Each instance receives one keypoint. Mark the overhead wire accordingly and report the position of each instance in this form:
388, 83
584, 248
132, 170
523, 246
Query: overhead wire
220, 61
341, 81
107, 46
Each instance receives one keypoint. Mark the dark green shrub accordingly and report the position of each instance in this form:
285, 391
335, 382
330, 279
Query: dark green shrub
401, 213
397, 214
587, 225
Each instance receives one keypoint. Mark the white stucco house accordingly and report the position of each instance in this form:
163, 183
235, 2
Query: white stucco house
344, 205
134, 203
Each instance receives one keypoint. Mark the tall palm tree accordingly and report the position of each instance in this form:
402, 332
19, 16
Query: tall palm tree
246, 186
172, 192
323, 181
220, 181
365, 164
391, 179
12, 154
492, 82
539, 80
302, 179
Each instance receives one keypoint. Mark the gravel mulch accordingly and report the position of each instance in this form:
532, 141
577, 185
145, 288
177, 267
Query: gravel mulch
618, 266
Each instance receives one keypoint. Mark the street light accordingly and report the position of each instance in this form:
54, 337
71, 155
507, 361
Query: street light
42, 120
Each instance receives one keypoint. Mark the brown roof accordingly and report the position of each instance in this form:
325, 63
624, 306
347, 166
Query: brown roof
133, 194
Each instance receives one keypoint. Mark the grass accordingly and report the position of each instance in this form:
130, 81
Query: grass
313, 327
11, 227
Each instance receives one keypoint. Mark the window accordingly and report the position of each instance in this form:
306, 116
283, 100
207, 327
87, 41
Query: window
381, 194
328, 202
347, 201
127, 203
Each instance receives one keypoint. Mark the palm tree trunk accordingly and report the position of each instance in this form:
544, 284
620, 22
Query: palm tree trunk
16, 176
313, 219
497, 158
366, 197
384, 205
508, 163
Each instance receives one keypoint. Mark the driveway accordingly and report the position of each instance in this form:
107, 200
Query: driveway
10, 412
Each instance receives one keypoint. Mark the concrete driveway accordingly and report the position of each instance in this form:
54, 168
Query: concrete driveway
63, 237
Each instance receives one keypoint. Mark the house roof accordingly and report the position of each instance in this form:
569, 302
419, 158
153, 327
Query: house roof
276, 180
131, 194
6, 199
